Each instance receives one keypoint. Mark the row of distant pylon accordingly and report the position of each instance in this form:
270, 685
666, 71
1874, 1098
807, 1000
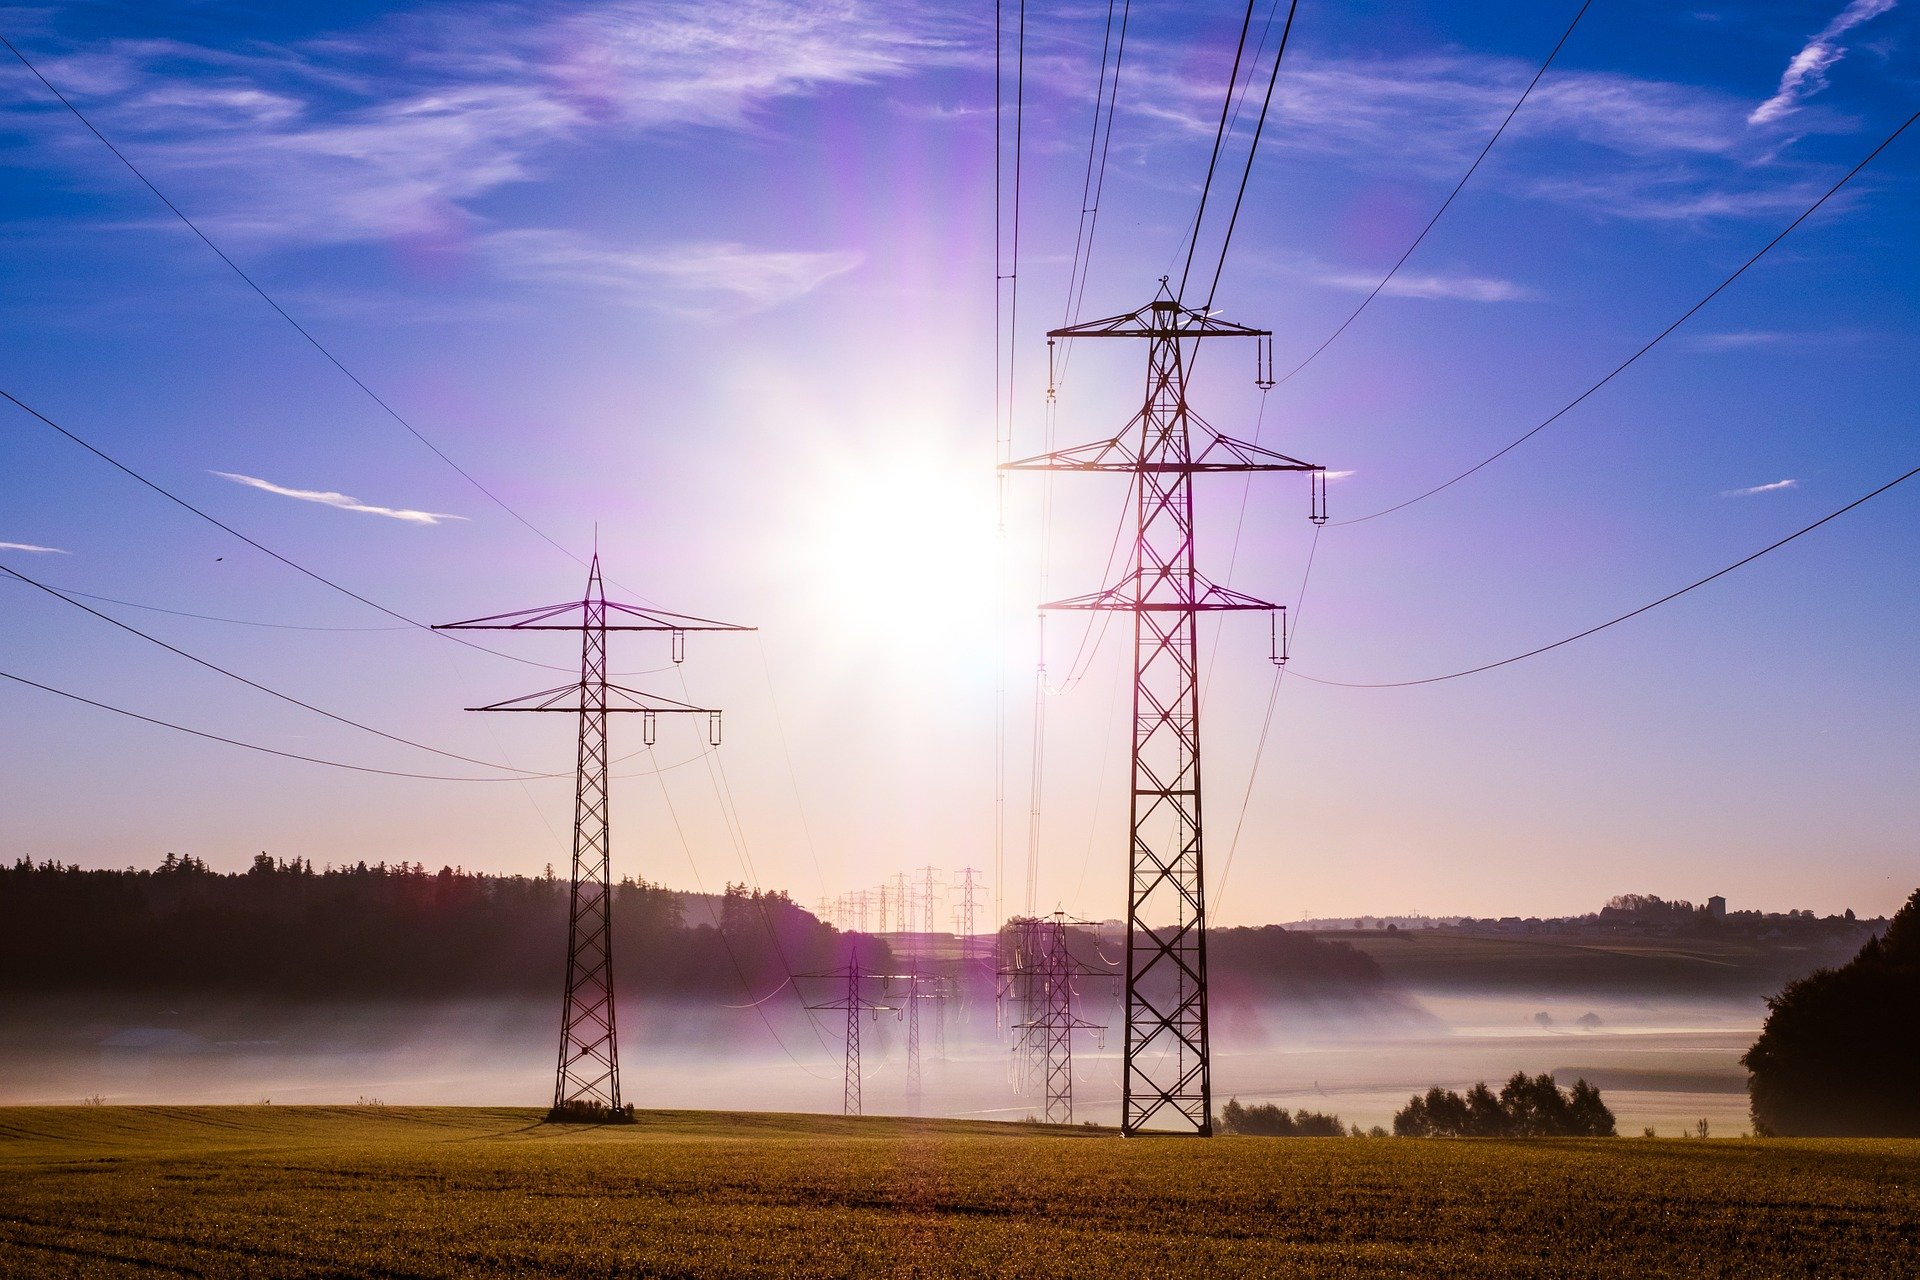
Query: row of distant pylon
918, 901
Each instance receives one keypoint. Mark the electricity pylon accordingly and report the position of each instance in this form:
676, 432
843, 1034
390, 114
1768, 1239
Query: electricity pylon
587, 1078
853, 1003
1051, 1034
1167, 1074
1021, 987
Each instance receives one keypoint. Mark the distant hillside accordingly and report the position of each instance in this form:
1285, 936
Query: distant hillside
1740, 965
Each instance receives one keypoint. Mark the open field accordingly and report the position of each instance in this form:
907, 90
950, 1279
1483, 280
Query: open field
270, 1191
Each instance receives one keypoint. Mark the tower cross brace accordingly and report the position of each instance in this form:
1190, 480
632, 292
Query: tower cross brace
1167, 1071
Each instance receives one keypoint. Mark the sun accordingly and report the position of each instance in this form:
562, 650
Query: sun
903, 553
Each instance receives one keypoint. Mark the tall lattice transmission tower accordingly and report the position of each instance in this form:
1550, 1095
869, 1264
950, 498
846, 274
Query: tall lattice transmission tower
853, 1002
587, 1078
1167, 1073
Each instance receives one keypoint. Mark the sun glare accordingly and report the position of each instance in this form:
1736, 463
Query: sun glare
902, 552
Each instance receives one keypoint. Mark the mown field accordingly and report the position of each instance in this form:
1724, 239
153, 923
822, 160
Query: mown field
279, 1191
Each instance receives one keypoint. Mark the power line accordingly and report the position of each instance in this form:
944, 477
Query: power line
1253, 148
1448, 202
1219, 136
281, 311
1094, 182
289, 626
1612, 622
254, 684
1266, 727
208, 617
235, 742
324, 581
1654, 341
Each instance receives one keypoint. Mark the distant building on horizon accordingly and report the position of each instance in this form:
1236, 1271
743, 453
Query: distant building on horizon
1717, 907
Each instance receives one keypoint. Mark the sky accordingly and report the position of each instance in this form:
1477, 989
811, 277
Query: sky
716, 287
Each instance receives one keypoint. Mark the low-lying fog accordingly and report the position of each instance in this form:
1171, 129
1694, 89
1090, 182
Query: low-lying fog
1659, 1061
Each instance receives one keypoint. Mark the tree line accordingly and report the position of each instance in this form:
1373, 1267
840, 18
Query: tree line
287, 930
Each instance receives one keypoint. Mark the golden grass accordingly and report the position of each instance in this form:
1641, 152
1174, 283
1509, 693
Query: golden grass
281, 1191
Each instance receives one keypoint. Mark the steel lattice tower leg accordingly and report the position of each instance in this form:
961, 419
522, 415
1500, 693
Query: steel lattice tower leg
589, 1068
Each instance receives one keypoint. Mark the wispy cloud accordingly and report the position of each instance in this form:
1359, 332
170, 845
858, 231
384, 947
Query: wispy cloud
340, 500
1339, 475
346, 141
1806, 73
1416, 285
28, 546
1775, 487
1738, 340
1608, 143
698, 277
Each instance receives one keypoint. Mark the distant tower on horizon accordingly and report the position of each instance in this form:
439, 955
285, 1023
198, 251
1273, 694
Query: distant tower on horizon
1717, 907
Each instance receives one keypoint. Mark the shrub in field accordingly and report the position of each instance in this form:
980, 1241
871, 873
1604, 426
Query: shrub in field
582, 1112
1528, 1107
1265, 1120
1837, 1057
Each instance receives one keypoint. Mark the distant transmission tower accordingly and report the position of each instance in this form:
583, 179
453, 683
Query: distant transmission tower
853, 1003
1023, 1000
1167, 1075
1051, 1034
587, 1079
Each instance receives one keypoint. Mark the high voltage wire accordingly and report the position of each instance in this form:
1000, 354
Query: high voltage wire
281, 311
1219, 137
283, 626
208, 617
254, 684
236, 742
1003, 417
324, 581
726, 944
1253, 148
1613, 622
1448, 202
1266, 727
1652, 342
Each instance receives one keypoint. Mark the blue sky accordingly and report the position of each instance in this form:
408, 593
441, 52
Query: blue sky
720, 280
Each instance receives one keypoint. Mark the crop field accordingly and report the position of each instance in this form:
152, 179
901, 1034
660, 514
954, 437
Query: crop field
374, 1191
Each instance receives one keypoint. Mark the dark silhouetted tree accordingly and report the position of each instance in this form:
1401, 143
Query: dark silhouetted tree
1265, 1120
1528, 1107
1840, 1053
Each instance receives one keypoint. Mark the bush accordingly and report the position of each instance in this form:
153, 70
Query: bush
1265, 1120
1528, 1107
1837, 1056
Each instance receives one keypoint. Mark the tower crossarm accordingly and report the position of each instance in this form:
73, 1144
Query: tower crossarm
1130, 595
1218, 454
1161, 318
574, 616
573, 698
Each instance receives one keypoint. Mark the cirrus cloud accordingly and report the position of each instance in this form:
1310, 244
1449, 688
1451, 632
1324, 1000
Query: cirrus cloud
343, 501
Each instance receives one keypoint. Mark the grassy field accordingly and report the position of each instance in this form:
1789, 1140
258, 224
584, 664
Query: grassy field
354, 1191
